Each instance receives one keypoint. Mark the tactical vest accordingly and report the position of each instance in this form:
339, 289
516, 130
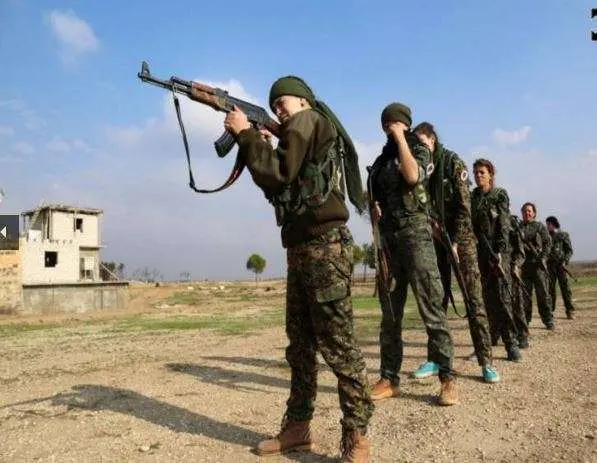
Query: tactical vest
557, 247
313, 185
531, 234
484, 209
398, 200
442, 185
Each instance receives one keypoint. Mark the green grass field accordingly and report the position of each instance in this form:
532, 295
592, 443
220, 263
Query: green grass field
366, 311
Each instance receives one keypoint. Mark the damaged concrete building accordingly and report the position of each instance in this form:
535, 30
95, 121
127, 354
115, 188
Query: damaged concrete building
59, 262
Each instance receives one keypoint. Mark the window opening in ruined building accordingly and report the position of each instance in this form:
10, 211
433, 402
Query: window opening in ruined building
79, 225
86, 265
51, 259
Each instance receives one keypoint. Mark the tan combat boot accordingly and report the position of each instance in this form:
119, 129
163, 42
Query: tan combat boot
355, 447
384, 389
295, 436
448, 394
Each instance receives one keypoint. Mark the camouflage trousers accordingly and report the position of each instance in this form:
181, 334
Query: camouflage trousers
413, 260
476, 315
319, 317
520, 319
557, 274
497, 294
534, 276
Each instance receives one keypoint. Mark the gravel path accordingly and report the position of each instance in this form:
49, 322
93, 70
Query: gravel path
192, 396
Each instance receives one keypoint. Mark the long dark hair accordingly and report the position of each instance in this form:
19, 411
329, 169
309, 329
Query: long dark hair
428, 129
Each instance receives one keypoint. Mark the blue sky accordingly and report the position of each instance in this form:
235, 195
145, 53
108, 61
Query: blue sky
512, 81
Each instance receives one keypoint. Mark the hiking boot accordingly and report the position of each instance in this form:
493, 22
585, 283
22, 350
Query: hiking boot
570, 315
523, 343
384, 389
426, 370
514, 354
448, 394
294, 436
490, 374
354, 447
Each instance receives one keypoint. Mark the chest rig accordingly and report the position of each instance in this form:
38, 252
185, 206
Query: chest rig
312, 187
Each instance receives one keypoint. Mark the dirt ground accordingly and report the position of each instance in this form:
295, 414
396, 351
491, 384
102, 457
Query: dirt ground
78, 393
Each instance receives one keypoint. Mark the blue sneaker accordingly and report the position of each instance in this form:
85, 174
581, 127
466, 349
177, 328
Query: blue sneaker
490, 374
426, 370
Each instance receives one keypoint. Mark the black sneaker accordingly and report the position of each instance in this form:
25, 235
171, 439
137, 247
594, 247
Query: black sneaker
551, 327
514, 354
523, 343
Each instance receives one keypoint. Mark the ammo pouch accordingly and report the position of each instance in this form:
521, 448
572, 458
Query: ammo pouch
312, 187
416, 198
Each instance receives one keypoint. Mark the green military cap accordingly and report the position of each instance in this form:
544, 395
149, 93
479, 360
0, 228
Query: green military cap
291, 85
396, 112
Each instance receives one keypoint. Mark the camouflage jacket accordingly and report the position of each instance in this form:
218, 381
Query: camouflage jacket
400, 202
491, 217
306, 139
450, 196
536, 240
561, 248
516, 245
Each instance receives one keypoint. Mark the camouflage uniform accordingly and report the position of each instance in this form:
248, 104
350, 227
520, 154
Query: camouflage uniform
405, 230
452, 207
561, 252
537, 246
517, 257
491, 218
319, 246
319, 315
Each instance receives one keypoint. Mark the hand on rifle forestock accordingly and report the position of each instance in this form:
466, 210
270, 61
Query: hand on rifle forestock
455, 252
375, 212
267, 136
497, 265
517, 272
236, 121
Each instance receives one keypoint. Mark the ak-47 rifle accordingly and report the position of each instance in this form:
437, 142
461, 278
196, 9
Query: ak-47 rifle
530, 246
384, 280
219, 100
520, 284
499, 268
442, 236
569, 274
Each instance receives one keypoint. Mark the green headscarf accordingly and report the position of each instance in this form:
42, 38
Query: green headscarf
295, 86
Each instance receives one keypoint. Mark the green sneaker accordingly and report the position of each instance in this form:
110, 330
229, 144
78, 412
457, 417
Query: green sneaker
426, 370
490, 374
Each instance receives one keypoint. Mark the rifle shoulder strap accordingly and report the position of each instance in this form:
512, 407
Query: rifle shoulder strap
237, 169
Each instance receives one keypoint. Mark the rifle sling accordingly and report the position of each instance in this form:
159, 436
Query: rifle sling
237, 169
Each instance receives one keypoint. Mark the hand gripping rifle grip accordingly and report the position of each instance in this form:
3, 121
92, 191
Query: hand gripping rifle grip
224, 144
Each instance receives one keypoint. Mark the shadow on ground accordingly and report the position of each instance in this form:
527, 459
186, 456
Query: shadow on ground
98, 397
235, 379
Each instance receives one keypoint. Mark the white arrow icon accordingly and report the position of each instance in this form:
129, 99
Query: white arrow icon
3, 232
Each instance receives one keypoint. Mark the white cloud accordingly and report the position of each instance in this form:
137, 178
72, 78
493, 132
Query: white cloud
58, 145
23, 147
514, 137
152, 218
592, 152
6, 131
75, 36
80, 145
29, 117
